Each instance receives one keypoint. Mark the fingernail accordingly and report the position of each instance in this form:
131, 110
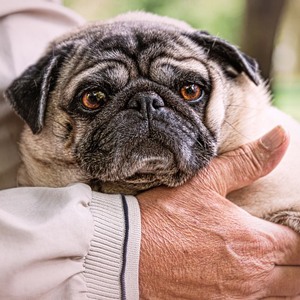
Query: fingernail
274, 138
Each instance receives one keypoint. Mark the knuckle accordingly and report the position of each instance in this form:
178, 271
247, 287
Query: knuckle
253, 159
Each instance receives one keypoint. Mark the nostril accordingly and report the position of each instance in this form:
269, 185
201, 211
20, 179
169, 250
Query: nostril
157, 102
135, 104
146, 102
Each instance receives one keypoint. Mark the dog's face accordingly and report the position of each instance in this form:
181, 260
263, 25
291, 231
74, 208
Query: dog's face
128, 104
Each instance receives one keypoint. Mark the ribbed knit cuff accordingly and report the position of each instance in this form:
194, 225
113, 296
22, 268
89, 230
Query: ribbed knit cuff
111, 266
131, 270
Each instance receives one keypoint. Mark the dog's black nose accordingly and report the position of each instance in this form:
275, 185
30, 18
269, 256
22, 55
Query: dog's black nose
146, 102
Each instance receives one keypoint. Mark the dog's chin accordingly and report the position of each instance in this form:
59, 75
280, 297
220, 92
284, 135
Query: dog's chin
141, 173
144, 163
143, 169
149, 157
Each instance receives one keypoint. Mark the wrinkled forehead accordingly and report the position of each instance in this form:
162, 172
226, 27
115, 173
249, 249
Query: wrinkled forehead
140, 39
138, 49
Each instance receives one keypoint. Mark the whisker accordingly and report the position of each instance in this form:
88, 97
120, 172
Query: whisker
237, 130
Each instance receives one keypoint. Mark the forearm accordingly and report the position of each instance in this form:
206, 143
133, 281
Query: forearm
45, 235
68, 243
75, 232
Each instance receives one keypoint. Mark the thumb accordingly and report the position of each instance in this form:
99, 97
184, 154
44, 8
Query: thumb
239, 168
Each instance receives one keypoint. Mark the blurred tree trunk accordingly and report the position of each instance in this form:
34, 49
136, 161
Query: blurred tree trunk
260, 24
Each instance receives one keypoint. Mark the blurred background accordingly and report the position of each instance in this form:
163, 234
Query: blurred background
268, 30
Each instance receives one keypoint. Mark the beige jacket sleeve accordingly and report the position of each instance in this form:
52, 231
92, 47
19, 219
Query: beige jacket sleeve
66, 243
26, 27
45, 236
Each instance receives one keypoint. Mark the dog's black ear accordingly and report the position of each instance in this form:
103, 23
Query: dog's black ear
28, 94
220, 49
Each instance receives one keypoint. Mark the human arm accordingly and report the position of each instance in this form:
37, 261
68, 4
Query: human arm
198, 245
26, 28
163, 214
195, 244
68, 243
29, 241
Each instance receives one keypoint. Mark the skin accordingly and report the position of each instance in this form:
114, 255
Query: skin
198, 245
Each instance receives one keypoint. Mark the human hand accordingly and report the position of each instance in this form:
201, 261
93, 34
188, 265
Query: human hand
198, 245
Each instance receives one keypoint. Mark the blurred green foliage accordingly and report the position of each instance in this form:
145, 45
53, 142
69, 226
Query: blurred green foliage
219, 18
224, 19
287, 97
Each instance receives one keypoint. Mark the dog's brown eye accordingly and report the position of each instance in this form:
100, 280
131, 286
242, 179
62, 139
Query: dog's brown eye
191, 92
93, 99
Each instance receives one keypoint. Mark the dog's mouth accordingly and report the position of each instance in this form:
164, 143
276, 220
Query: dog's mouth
150, 169
148, 157
129, 155
147, 164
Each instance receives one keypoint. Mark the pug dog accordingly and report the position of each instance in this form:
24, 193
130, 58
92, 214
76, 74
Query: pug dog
140, 101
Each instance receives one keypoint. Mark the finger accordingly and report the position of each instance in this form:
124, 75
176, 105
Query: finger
236, 169
284, 282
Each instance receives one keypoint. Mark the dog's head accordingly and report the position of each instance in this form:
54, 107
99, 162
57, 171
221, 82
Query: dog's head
130, 103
